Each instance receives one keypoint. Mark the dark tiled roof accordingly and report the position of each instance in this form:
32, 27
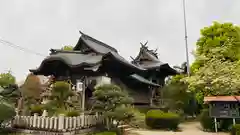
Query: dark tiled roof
122, 60
151, 64
94, 44
148, 59
143, 80
77, 58
70, 59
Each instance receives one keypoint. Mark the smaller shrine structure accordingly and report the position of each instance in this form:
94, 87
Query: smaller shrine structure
223, 107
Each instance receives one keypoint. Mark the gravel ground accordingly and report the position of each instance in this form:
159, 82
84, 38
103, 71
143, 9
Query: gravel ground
191, 128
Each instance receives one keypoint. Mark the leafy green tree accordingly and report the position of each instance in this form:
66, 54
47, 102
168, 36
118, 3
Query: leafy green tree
218, 41
67, 48
215, 70
11, 94
60, 94
7, 79
8, 98
7, 112
180, 98
113, 103
30, 91
215, 78
32, 87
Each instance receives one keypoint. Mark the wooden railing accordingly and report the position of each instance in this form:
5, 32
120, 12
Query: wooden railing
60, 123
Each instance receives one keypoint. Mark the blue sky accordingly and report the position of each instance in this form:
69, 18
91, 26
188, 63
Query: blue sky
43, 24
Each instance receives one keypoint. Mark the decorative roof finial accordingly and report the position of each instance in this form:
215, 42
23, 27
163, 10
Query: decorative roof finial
81, 32
144, 45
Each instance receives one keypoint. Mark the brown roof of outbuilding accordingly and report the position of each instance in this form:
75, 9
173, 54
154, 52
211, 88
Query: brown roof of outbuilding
222, 99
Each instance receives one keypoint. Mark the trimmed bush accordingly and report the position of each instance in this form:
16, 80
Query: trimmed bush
7, 112
158, 119
36, 109
138, 120
72, 113
142, 109
206, 121
235, 129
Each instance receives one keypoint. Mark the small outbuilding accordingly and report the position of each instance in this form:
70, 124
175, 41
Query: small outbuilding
223, 107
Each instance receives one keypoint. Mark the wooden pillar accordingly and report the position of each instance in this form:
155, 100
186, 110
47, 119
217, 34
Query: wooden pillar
215, 124
234, 121
152, 93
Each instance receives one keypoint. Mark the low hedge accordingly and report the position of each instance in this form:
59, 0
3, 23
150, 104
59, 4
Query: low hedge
36, 109
158, 119
235, 129
138, 120
72, 113
206, 121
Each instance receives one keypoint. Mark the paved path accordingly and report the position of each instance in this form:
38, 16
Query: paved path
191, 128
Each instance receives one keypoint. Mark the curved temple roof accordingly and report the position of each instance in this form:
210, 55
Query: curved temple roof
74, 60
94, 44
148, 59
90, 54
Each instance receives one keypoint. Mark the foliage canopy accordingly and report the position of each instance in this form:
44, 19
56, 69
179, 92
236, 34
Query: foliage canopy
114, 103
67, 48
215, 70
7, 79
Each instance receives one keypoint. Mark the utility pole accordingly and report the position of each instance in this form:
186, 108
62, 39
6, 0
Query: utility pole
186, 41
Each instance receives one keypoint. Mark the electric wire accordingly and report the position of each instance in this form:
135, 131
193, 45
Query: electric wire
4, 42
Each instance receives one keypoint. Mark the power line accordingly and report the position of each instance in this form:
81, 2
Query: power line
4, 42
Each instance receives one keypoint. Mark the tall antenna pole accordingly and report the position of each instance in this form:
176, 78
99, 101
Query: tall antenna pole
186, 42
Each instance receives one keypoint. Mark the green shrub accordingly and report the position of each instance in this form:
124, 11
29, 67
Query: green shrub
72, 113
138, 120
235, 129
36, 109
158, 119
206, 121
7, 112
142, 109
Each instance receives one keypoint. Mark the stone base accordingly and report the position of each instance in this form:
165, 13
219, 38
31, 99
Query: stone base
39, 132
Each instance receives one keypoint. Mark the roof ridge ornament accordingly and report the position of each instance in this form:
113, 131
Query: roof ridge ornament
81, 32
145, 47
